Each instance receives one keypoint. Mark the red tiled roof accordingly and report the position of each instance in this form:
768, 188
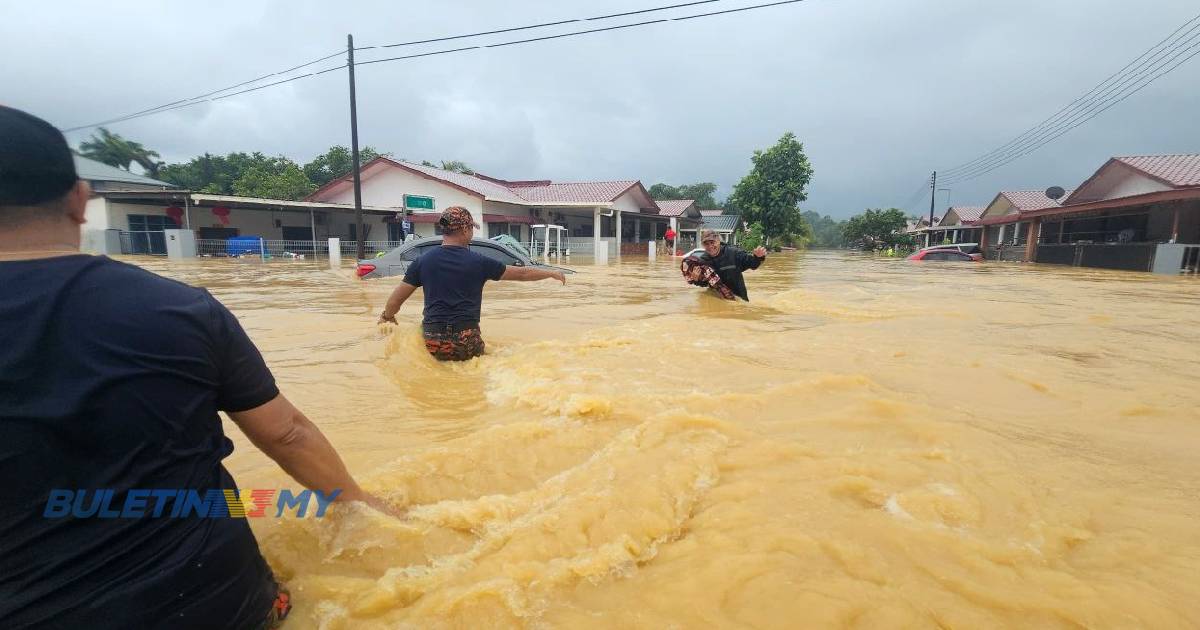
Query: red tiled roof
538, 192
1029, 200
577, 192
673, 207
968, 213
1180, 170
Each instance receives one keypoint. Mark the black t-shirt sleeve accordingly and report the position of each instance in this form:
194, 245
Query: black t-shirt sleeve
244, 380
412, 275
492, 268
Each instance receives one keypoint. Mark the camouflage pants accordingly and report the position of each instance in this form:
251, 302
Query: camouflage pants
447, 344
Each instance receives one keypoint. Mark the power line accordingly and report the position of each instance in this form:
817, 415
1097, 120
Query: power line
536, 26
200, 98
1105, 94
1074, 113
1086, 96
1192, 52
1082, 116
578, 33
208, 97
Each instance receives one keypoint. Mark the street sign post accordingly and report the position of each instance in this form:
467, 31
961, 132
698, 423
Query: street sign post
418, 202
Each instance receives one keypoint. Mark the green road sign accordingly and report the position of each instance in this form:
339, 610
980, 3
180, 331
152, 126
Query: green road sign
417, 202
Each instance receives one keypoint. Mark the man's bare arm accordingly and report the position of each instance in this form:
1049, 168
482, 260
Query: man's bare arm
402, 292
529, 274
287, 436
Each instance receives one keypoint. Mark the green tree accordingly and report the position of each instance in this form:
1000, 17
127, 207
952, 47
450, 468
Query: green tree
336, 162
876, 228
113, 150
219, 174
701, 193
452, 165
281, 179
770, 195
827, 231
751, 237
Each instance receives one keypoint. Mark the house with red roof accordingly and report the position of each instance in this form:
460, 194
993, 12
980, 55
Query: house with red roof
1003, 234
956, 225
1137, 213
619, 215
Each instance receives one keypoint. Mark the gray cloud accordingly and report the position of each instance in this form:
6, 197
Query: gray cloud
880, 91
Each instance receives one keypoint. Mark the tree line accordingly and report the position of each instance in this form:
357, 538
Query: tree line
239, 173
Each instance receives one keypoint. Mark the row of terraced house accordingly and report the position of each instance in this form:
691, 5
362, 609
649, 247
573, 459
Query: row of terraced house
133, 214
1137, 213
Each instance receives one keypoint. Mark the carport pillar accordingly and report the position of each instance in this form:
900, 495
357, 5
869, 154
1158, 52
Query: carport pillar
597, 222
675, 241
1035, 227
983, 239
617, 215
637, 230
335, 253
1175, 226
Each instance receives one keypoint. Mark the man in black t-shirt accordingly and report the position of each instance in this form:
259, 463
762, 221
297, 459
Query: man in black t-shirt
453, 277
110, 380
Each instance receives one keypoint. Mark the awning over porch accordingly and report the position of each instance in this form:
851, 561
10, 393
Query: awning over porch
507, 218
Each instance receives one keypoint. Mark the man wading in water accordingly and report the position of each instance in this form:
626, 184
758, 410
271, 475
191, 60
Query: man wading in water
729, 262
453, 277
110, 382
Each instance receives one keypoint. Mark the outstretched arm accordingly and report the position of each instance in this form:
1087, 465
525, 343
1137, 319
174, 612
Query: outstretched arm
287, 436
751, 261
401, 293
529, 274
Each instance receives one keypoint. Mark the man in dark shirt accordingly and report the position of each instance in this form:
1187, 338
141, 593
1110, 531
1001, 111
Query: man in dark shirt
730, 262
110, 380
453, 277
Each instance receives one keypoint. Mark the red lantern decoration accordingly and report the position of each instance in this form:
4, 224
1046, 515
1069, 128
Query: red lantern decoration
222, 213
176, 214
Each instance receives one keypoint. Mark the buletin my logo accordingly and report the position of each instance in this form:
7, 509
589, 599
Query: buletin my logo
184, 503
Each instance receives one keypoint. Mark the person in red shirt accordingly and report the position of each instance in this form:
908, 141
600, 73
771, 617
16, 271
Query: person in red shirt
670, 235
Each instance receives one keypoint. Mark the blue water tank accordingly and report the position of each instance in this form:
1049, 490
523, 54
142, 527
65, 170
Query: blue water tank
238, 245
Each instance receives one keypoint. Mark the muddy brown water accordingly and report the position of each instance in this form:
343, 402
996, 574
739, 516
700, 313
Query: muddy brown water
869, 443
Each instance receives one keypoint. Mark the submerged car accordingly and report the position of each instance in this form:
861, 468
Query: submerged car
396, 262
944, 254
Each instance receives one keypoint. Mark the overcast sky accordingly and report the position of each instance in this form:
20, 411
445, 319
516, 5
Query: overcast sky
881, 92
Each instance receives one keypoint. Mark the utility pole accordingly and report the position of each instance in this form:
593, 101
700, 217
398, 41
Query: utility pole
932, 198
358, 217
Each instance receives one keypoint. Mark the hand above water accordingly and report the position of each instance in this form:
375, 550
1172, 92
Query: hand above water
560, 276
760, 252
385, 318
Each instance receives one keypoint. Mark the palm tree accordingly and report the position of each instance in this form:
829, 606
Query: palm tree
110, 148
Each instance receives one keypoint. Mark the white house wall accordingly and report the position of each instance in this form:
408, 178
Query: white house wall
388, 187
1133, 183
96, 214
508, 209
999, 208
103, 214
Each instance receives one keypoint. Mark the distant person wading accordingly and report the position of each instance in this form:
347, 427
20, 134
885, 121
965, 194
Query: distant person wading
453, 277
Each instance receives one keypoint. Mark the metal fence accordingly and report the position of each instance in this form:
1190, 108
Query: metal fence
271, 248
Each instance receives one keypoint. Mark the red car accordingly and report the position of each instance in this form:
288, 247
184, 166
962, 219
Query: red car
941, 255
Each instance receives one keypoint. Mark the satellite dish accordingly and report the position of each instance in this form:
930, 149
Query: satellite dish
1055, 192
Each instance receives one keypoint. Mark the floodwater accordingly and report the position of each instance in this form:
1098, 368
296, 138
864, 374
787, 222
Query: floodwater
869, 443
